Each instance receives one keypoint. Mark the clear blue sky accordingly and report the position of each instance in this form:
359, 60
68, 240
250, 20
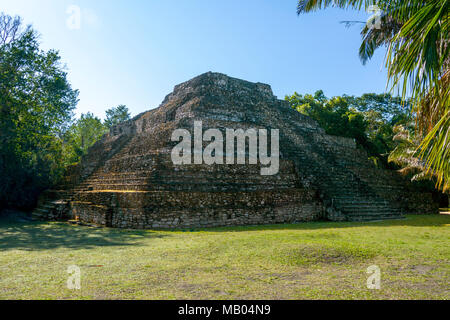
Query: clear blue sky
134, 52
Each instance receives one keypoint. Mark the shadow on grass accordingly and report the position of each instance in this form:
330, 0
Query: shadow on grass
410, 221
43, 236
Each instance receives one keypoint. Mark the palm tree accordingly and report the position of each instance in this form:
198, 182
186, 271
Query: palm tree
416, 34
405, 154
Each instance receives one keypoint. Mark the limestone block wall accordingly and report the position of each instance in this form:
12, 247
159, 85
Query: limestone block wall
168, 210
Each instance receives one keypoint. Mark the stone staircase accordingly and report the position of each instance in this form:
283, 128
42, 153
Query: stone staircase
352, 188
53, 206
345, 193
198, 178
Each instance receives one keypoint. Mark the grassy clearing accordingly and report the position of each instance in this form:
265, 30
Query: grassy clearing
306, 261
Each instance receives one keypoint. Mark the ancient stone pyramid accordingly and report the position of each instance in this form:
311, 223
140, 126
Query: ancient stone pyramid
128, 179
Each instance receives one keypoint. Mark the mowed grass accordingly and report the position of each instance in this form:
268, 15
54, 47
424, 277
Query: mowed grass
306, 261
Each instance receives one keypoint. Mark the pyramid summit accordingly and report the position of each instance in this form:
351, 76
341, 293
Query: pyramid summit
128, 179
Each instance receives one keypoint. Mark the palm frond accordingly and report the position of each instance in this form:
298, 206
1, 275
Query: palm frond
305, 6
435, 149
373, 38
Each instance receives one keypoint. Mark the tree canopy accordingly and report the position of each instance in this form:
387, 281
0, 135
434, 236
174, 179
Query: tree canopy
82, 135
39, 137
117, 115
369, 119
36, 104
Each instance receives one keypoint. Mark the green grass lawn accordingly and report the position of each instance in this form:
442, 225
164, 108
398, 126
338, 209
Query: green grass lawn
305, 261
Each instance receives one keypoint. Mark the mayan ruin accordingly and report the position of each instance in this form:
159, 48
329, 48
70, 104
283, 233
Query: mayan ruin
224, 159
127, 180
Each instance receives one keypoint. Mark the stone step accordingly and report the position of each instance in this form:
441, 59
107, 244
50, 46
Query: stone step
41, 211
49, 205
177, 185
186, 186
358, 198
364, 218
374, 212
371, 212
363, 205
199, 179
128, 164
362, 198
368, 210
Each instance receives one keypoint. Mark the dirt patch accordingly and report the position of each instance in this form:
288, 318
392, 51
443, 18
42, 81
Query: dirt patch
309, 254
420, 269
